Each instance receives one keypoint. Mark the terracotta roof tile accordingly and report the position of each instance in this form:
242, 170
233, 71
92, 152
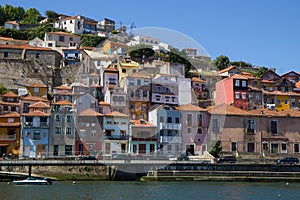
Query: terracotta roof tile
141, 123
36, 113
102, 103
239, 76
9, 103
10, 94
34, 98
24, 46
195, 79
224, 109
62, 102
116, 114
190, 107
297, 85
39, 104
226, 69
63, 87
90, 112
37, 85
13, 114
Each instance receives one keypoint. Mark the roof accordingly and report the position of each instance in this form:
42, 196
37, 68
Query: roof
63, 33
227, 69
93, 74
102, 103
116, 114
224, 109
39, 104
195, 79
37, 85
24, 46
239, 76
63, 87
89, 112
110, 69
62, 102
13, 114
297, 85
36, 113
34, 98
190, 107
140, 74
10, 103
10, 94
141, 123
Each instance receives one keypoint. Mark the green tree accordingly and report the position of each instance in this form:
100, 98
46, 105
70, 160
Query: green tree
10, 13
216, 149
241, 64
260, 72
3, 90
222, 62
91, 40
31, 16
52, 16
140, 52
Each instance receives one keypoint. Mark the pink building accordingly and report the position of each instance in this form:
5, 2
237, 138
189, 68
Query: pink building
194, 122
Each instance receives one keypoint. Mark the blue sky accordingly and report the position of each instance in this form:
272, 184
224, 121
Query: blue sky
261, 32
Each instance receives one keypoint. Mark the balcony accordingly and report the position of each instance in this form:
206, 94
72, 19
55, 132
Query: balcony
7, 137
36, 125
116, 137
170, 126
170, 139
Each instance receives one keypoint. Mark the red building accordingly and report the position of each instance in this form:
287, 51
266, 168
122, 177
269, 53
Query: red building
233, 91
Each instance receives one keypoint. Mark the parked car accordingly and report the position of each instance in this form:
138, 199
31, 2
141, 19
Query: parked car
228, 159
288, 160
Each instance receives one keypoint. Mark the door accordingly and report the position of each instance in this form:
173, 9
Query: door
251, 147
142, 148
274, 148
41, 150
152, 149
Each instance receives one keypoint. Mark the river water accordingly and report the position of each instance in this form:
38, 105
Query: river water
113, 190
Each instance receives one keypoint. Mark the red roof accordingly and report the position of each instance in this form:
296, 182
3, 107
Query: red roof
63, 87
13, 114
34, 98
190, 107
141, 123
36, 113
90, 112
39, 104
37, 85
10, 94
116, 114
62, 102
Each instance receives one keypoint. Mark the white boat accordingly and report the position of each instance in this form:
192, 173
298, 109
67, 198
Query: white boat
33, 181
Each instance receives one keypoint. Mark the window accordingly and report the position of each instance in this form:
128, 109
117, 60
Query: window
169, 119
107, 148
199, 119
81, 133
57, 118
137, 93
285, 102
123, 70
69, 118
296, 148
71, 38
274, 127
189, 119
284, 147
250, 126
237, 95
36, 135
36, 89
244, 83
5, 54
278, 102
189, 131
55, 150
215, 125
199, 131
68, 150
37, 55
138, 82
68, 130
145, 93
93, 133
161, 119
257, 96
130, 82
244, 96
233, 146
57, 129
61, 38
237, 83
177, 121
131, 106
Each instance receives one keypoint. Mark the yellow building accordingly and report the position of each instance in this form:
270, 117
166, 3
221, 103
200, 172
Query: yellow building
38, 90
282, 101
127, 66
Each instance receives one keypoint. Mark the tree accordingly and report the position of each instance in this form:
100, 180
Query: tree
216, 149
91, 40
141, 52
3, 90
31, 16
222, 62
260, 72
52, 16
241, 64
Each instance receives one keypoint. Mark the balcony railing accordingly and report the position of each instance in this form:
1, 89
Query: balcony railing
7, 137
170, 139
116, 137
36, 125
170, 126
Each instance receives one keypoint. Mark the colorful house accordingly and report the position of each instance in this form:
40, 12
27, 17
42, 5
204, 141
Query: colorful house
62, 137
115, 133
194, 126
10, 134
38, 90
168, 122
143, 138
89, 127
233, 91
9, 103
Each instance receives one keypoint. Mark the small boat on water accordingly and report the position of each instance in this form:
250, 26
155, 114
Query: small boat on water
33, 181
